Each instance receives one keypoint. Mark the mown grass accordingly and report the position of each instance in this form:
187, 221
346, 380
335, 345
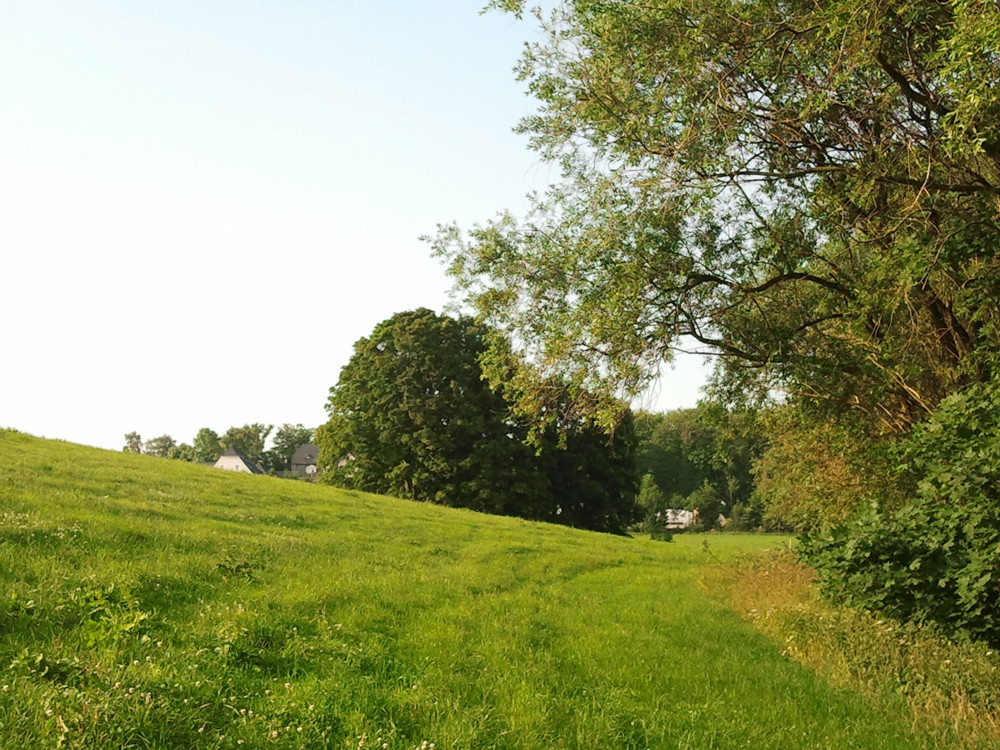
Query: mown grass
947, 688
150, 603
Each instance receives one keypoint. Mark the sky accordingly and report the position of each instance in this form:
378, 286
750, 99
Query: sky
205, 203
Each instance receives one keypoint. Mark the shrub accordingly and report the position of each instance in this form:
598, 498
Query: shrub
706, 501
659, 532
927, 563
653, 503
935, 560
651, 497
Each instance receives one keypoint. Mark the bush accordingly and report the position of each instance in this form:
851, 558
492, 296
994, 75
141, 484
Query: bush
935, 560
660, 533
653, 503
651, 498
926, 563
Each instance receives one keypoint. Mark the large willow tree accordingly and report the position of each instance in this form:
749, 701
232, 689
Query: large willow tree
809, 190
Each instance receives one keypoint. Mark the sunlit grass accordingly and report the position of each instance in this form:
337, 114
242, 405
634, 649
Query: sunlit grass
151, 603
947, 688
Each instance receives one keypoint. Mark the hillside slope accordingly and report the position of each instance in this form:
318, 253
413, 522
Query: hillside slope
153, 603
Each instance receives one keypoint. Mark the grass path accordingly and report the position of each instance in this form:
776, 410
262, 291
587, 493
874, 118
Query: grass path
150, 603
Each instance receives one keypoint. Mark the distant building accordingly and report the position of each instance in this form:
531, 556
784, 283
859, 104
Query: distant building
305, 461
676, 518
233, 460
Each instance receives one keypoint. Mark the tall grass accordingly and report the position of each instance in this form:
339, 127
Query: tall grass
147, 603
947, 688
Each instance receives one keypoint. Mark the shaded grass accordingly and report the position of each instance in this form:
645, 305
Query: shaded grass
149, 603
948, 689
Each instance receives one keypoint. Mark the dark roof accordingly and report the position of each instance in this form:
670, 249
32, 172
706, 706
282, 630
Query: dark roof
305, 454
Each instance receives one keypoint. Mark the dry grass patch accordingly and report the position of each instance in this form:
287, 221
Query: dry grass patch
952, 689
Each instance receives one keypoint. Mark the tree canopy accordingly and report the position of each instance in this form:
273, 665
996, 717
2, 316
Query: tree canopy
133, 443
412, 416
207, 446
807, 190
159, 446
182, 452
249, 440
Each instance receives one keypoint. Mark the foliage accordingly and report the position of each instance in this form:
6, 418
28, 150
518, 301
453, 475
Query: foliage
739, 440
926, 563
159, 446
659, 532
936, 559
817, 471
675, 449
248, 440
288, 439
807, 190
272, 606
685, 448
653, 503
956, 453
133, 443
748, 517
706, 501
207, 446
590, 477
412, 416
651, 497
181, 452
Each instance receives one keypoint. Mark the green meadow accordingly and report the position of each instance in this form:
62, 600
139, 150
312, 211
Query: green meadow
147, 603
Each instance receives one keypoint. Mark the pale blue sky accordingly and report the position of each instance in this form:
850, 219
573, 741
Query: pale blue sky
205, 203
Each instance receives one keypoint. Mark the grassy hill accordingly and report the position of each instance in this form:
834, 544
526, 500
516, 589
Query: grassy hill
152, 603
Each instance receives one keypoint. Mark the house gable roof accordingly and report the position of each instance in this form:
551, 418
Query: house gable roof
251, 466
305, 454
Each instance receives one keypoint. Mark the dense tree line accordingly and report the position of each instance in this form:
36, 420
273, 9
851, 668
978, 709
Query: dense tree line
702, 459
412, 416
248, 439
808, 192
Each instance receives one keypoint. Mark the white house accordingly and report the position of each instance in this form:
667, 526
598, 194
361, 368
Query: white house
676, 518
233, 460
